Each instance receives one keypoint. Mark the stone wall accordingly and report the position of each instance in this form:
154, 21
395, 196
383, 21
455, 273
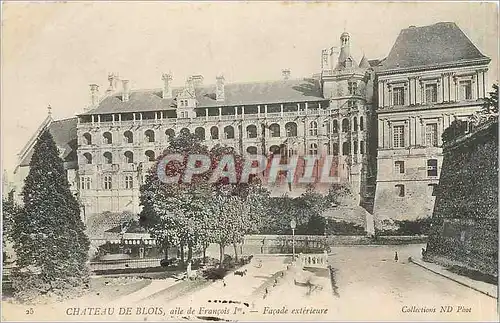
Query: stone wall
464, 228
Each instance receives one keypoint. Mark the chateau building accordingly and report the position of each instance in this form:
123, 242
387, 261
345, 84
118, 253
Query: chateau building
383, 120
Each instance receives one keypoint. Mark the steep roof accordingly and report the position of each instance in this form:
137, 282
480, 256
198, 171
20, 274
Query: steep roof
64, 134
364, 62
236, 94
441, 43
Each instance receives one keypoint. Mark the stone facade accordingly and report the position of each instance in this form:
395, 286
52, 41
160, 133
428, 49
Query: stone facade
382, 119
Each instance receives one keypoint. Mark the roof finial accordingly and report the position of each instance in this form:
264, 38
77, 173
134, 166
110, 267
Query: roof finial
49, 110
344, 24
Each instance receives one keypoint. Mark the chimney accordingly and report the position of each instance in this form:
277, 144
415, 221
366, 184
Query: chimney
197, 79
94, 96
219, 88
190, 85
113, 83
167, 87
126, 90
286, 74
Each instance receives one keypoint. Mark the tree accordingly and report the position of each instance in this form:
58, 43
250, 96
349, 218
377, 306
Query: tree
491, 102
9, 210
49, 240
175, 213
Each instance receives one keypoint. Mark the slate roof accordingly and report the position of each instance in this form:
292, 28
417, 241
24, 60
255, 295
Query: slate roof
236, 94
441, 43
64, 133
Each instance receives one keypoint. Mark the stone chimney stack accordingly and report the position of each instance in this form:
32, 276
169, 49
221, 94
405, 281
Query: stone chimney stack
190, 84
94, 96
286, 74
126, 90
219, 88
198, 80
113, 83
167, 85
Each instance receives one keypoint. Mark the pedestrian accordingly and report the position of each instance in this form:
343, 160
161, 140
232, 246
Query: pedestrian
396, 256
224, 282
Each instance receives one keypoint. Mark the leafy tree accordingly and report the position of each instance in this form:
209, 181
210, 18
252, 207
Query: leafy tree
491, 102
49, 240
456, 129
9, 210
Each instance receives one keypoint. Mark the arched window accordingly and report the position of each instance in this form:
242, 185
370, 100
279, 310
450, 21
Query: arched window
313, 128
346, 149
335, 126
149, 136
335, 149
313, 149
88, 158
355, 124
355, 147
291, 129
252, 131
361, 124
129, 157
150, 155
252, 150
214, 132
328, 127
275, 150
185, 131
345, 125
170, 133
275, 130
88, 138
129, 136
228, 132
200, 132
108, 138
108, 158
361, 147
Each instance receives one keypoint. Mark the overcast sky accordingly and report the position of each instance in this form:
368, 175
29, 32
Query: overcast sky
51, 52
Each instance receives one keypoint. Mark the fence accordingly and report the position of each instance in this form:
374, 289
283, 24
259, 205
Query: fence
124, 265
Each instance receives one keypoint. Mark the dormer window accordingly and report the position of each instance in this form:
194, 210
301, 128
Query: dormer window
348, 62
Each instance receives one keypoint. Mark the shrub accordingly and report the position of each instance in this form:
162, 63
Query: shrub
214, 273
343, 228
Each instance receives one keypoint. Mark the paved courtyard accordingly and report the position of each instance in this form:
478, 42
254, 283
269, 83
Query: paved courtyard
369, 285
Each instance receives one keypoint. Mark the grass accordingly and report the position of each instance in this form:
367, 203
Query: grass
111, 288
473, 274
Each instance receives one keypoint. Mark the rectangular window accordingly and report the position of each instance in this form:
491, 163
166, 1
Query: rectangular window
399, 166
361, 147
352, 87
398, 96
400, 190
431, 135
465, 88
351, 104
431, 93
107, 182
399, 136
129, 182
85, 183
432, 167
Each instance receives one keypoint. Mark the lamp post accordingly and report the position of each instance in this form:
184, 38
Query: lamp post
293, 224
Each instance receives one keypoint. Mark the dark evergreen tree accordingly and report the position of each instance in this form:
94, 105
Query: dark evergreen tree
49, 239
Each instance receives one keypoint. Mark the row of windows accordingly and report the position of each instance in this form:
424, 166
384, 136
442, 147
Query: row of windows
432, 167
401, 192
229, 133
107, 182
430, 93
128, 157
332, 149
431, 135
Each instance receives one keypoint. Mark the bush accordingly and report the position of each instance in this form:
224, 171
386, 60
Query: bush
419, 226
334, 227
215, 273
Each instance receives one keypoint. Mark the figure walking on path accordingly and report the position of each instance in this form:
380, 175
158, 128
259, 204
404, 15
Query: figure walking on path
396, 256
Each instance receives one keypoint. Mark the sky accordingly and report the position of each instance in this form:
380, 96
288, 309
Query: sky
51, 52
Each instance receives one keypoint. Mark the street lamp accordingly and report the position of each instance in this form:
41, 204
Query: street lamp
293, 224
